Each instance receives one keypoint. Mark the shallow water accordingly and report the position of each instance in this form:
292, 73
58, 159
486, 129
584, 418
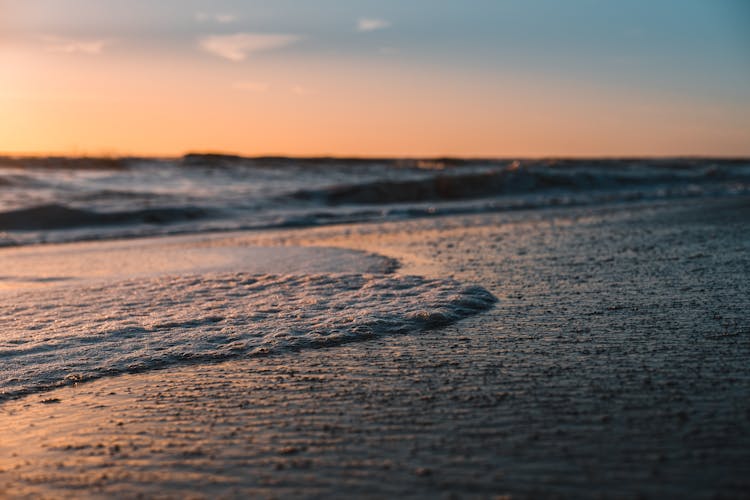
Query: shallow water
75, 313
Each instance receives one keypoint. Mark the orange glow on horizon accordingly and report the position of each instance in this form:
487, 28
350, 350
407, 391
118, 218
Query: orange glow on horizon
167, 106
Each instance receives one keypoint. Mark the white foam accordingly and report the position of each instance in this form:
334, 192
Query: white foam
54, 336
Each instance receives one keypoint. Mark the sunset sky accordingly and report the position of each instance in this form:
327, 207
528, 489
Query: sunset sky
375, 77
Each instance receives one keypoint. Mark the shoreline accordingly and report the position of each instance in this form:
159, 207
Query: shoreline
522, 400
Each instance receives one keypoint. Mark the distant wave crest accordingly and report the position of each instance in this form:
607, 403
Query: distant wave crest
518, 178
54, 216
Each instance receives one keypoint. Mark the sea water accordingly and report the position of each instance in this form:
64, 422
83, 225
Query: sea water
60, 199
64, 320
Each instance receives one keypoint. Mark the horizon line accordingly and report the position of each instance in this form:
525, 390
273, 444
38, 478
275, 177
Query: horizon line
367, 157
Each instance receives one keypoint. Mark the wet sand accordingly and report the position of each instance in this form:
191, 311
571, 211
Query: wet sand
615, 364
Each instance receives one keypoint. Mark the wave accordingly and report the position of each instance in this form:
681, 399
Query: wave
166, 197
55, 216
65, 335
537, 177
19, 180
66, 162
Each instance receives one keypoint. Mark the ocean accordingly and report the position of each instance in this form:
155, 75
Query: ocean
73, 313
63, 199
290, 327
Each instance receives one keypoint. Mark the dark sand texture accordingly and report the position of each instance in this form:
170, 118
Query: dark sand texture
616, 364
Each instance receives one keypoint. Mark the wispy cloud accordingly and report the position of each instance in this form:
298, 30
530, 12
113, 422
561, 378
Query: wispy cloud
372, 24
238, 46
222, 18
251, 86
73, 46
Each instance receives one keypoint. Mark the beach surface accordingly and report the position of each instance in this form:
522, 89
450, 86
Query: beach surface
613, 364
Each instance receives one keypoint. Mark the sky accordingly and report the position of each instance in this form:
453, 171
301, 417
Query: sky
406, 78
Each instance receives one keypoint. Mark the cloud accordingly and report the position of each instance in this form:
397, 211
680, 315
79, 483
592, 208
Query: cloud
251, 86
203, 17
238, 46
74, 46
372, 24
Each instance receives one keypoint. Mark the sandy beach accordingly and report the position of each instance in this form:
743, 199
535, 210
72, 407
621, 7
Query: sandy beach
614, 364
374, 249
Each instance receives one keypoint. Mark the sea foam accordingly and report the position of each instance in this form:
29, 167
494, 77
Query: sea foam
67, 334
